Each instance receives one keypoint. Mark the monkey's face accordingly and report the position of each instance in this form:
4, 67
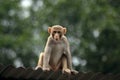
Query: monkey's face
57, 32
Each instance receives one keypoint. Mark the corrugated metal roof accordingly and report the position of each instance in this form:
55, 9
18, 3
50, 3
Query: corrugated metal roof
11, 73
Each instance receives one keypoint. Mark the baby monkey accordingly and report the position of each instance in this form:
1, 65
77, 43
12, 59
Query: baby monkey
56, 54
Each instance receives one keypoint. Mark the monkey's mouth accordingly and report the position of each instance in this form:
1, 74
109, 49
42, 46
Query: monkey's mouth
57, 39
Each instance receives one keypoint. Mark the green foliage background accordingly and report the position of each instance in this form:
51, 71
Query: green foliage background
93, 30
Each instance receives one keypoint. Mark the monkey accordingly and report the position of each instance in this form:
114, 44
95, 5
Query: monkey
57, 53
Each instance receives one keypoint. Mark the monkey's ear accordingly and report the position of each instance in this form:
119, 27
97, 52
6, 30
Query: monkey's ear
49, 30
64, 30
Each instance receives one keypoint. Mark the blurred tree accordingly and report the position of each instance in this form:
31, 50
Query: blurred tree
15, 35
93, 31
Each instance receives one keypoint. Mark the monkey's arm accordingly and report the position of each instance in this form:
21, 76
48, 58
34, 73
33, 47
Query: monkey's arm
68, 53
47, 53
69, 59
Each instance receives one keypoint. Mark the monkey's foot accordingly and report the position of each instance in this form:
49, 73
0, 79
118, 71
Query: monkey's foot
38, 67
74, 72
46, 69
67, 71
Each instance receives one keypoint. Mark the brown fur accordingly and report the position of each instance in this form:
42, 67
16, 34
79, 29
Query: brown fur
56, 54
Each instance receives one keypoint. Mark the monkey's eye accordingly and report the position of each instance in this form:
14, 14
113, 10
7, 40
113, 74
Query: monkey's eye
59, 32
54, 31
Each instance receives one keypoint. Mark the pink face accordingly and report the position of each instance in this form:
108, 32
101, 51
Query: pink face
57, 33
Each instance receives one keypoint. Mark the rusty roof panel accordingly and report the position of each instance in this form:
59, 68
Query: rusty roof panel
6, 71
1, 67
34, 74
54, 75
117, 77
97, 76
11, 73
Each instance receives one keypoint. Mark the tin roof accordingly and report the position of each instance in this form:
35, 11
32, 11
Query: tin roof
11, 73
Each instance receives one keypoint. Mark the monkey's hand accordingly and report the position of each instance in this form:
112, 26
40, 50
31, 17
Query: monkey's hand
38, 67
46, 69
66, 71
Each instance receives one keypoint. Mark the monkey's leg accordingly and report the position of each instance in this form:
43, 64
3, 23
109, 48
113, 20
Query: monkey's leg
58, 67
40, 61
65, 66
